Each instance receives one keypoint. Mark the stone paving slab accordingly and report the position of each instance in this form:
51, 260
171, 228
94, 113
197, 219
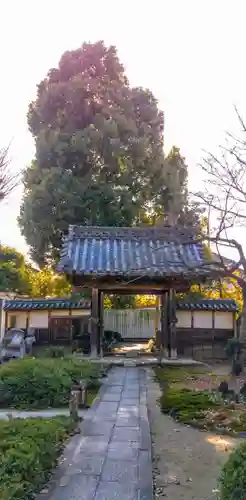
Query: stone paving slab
111, 458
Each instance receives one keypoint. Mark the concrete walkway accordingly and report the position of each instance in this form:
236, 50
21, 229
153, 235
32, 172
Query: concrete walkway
111, 458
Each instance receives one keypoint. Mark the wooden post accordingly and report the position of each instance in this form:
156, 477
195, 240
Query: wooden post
27, 321
71, 328
101, 322
235, 326
2, 319
94, 322
172, 324
50, 332
157, 313
84, 393
74, 403
164, 324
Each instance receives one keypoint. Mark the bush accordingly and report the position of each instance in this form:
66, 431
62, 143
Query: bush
110, 339
55, 351
29, 450
187, 405
43, 383
233, 477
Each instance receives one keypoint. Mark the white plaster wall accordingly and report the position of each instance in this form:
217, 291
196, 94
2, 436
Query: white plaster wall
202, 319
184, 319
39, 319
80, 312
223, 320
21, 317
63, 313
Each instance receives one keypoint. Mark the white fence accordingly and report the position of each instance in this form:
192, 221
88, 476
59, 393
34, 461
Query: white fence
131, 323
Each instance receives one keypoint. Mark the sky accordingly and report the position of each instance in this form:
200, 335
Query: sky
190, 53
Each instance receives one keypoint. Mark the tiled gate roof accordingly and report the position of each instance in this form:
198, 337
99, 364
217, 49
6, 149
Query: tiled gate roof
148, 252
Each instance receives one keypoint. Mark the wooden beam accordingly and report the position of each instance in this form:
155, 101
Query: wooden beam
111, 284
147, 290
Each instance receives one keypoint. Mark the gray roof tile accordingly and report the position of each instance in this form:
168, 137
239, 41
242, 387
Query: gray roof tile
37, 304
153, 251
229, 305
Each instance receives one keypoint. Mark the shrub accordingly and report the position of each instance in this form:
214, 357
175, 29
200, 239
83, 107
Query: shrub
188, 405
234, 348
29, 450
43, 383
233, 477
55, 351
110, 338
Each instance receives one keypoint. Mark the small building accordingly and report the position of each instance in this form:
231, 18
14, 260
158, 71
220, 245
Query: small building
202, 329
162, 260
54, 320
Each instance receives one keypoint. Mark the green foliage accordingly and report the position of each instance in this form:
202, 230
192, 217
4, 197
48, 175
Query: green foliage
175, 374
171, 193
233, 477
234, 349
99, 144
16, 275
13, 271
51, 351
29, 450
188, 405
110, 339
43, 383
56, 351
99, 153
120, 301
45, 283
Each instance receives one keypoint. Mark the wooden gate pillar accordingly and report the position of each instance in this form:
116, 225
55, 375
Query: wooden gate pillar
164, 341
101, 322
94, 327
172, 320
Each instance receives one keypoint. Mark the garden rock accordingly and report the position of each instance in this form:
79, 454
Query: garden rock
223, 388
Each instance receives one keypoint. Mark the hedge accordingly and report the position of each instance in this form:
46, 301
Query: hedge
29, 450
43, 383
233, 477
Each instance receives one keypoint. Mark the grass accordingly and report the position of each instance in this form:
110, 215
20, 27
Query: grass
29, 450
189, 395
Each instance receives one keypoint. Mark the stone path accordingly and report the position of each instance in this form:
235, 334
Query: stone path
111, 458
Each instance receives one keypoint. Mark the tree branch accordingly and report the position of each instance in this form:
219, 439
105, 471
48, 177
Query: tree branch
8, 180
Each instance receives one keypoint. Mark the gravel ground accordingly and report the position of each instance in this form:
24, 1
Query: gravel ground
187, 462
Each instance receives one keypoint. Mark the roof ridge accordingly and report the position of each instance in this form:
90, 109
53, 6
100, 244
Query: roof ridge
173, 233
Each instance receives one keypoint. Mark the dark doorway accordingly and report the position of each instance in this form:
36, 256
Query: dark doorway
60, 330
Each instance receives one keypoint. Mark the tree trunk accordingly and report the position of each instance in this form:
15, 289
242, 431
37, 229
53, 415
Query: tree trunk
242, 329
